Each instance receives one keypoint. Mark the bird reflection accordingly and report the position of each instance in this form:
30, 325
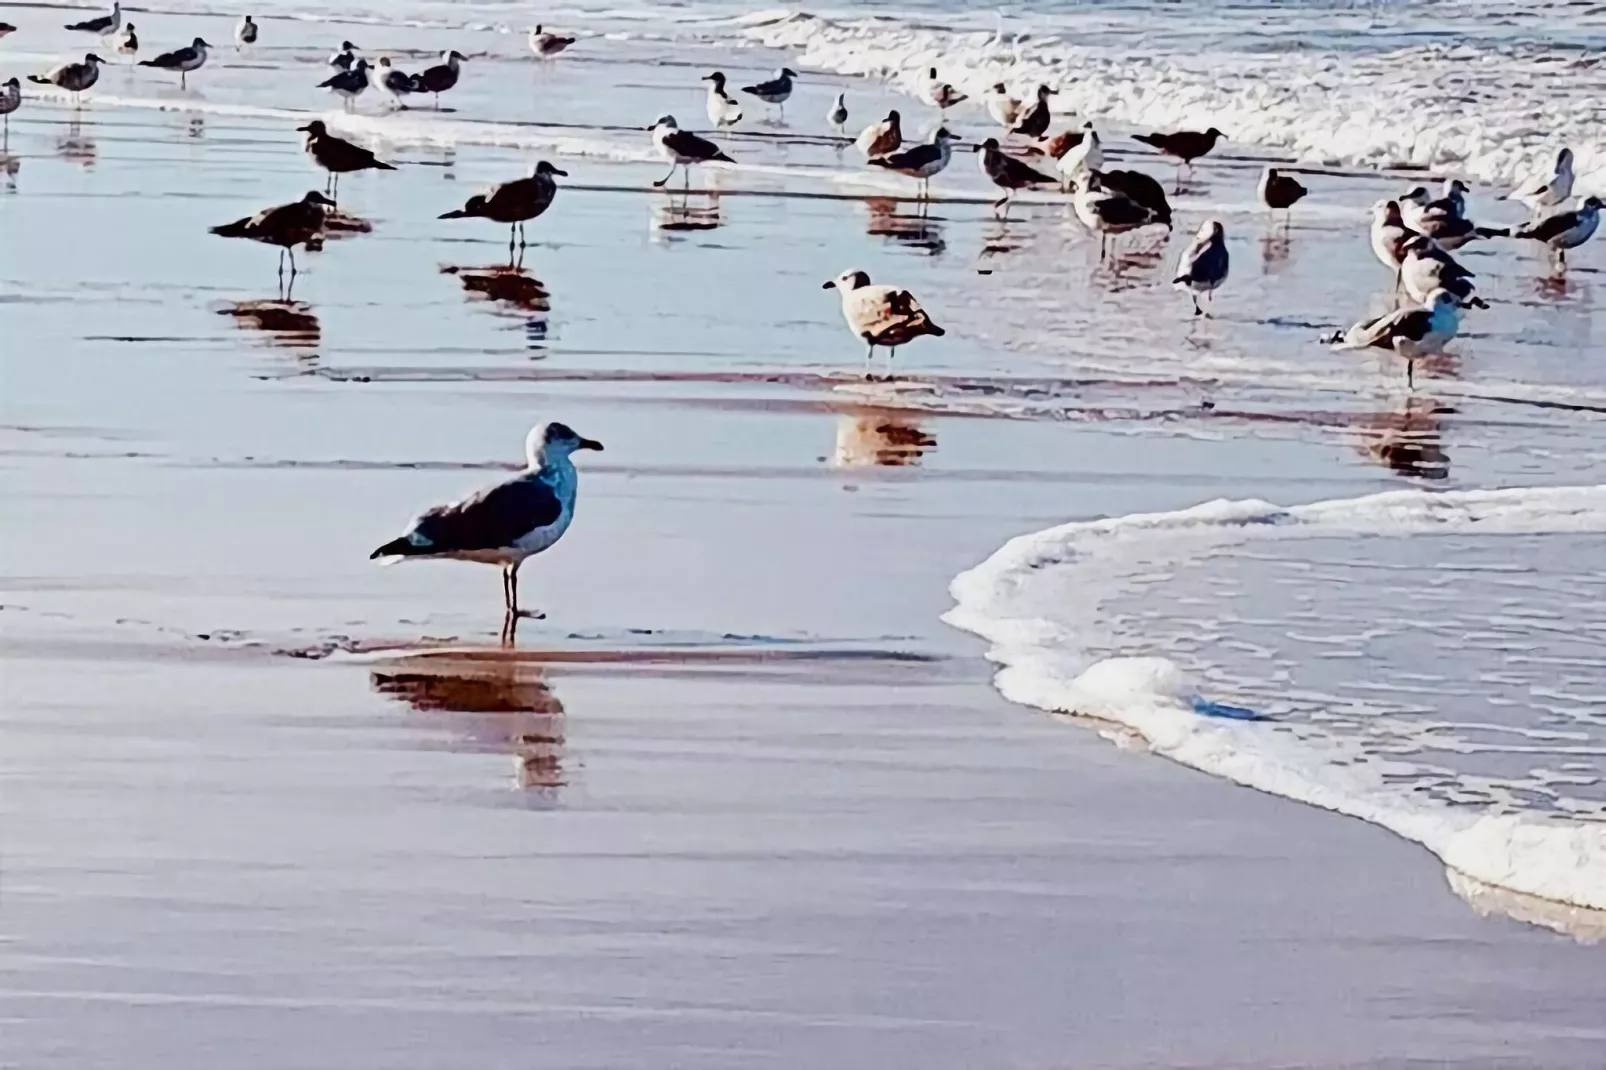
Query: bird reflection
9, 166
74, 146
1410, 441
287, 323
338, 225
998, 241
196, 131
511, 289
888, 438
683, 215
914, 231
496, 705
1274, 249
1128, 268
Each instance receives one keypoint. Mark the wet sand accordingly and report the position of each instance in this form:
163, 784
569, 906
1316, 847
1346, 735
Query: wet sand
741, 799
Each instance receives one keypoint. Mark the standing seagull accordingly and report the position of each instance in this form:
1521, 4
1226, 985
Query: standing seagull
395, 85
1106, 212
127, 43
1425, 267
546, 45
1008, 173
1444, 220
879, 139
939, 94
1004, 108
723, 109
1184, 146
1139, 187
286, 226
1280, 193
514, 203
1033, 122
348, 84
775, 91
10, 100
182, 60
73, 77
881, 315
345, 57
1203, 266
441, 77
922, 161
106, 25
1565, 230
1548, 188
838, 115
245, 33
506, 523
1389, 235
337, 155
1086, 155
1411, 332
682, 148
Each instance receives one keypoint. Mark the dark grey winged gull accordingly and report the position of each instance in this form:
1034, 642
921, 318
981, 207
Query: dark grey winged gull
1203, 267
1565, 230
286, 226
1033, 122
682, 148
1107, 212
73, 77
10, 100
775, 91
1280, 193
1410, 331
1008, 173
513, 203
337, 155
441, 77
1444, 219
245, 33
920, 161
183, 60
344, 58
1144, 189
1426, 267
507, 523
105, 25
348, 84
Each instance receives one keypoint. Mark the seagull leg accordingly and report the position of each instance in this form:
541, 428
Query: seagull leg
1197, 311
665, 180
291, 250
513, 595
869, 363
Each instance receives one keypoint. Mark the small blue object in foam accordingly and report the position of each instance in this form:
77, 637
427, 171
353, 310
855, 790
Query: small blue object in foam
1207, 708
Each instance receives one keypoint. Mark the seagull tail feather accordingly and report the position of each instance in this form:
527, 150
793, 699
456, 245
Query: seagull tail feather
240, 228
40, 80
383, 166
720, 156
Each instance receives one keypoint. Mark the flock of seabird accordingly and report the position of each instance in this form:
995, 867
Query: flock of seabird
1413, 236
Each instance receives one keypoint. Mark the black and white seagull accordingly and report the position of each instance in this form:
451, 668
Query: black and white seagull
441, 77
940, 94
723, 109
507, 523
105, 25
345, 57
1033, 121
348, 84
10, 100
920, 161
1426, 267
245, 33
1444, 219
1107, 212
775, 91
1411, 331
1549, 188
1203, 267
1565, 230
395, 85
546, 45
183, 60
682, 148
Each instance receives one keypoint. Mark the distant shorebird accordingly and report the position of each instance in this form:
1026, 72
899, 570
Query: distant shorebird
507, 523
345, 57
1107, 212
1425, 267
1003, 108
127, 42
513, 203
1412, 331
73, 77
837, 117
939, 94
920, 161
682, 148
348, 84
1203, 267
441, 77
546, 45
1184, 146
1280, 193
723, 109
1140, 188
879, 139
1033, 122
1548, 188
10, 100
775, 91
245, 33
337, 155
1008, 173
881, 315
286, 226
182, 60
394, 84
103, 26
1086, 155
1565, 230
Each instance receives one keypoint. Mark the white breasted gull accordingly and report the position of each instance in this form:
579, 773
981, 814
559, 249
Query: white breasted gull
1550, 187
1426, 267
246, 32
1564, 230
507, 523
921, 161
682, 148
881, 315
1389, 235
1107, 212
879, 139
1086, 155
442, 76
723, 109
546, 45
183, 60
345, 57
838, 115
940, 94
1411, 331
1203, 267
126, 42
10, 100
395, 85
1004, 108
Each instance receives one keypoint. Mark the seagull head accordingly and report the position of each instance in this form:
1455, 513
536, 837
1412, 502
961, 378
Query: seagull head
199, 43
1044, 92
894, 118
454, 56
314, 129
1213, 132
1588, 204
848, 280
314, 197
942, 134
347, 46
12, 83
554, 441
544, 168
1386, 212
786, 72
538, 28
998, 87
1417, 195
92, 58
1419, 243
1458, 186
1564, 159
1211, 231
1441, 299
931, 73
666, 121
990, 145
718, 78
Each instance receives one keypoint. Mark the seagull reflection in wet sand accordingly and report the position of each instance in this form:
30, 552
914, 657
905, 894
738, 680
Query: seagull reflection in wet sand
916, 231
880, 438
284, 322
685, 216
1411, 441
499, 705
512, 289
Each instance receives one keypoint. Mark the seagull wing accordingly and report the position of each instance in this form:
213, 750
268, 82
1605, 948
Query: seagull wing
687, 144
489, 520
1548, 228
1024, 174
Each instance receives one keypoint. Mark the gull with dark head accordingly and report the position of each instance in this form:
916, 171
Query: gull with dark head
1425, 267
505, 524
245, 33
286, 226
879, 139
1086, 155
921, 161
126, 43
1184, 146
775, 91
514, 203
1034, 120
1565, 230
939, 94
546, 45
1389, 235
1548, 188
183, 60
723, 109
73, 77
348, 84
1008, 173
337, 155
881, 315
837, 116
1003, 108
682, 148
1203, 267
345, 57
394, 85
1107, 212
10, 100
441, 77
1280, 192
1411, 331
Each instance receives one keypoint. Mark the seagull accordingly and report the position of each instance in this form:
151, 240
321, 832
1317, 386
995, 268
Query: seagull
1565, 230
1033, 122
506, 523
393, 83
1008, 173
286, 226
348, 84
1389, 235
245, 33
1412, 331
441, 77
106, 25
723, 109
1107, 212
6, 28
682, 148
776, 90
182, 60
1141, 188
1454, 194
1203, 266
939, 94
881, 315
922, 161
880, 139
546, 45
513, 203
1004, 108
1548, 188
1184, 146
838, 115
127, 43
1279, 192
1444, 220
73, 77
345, 57
10, 100
337, 155
1425, 267
1086, 155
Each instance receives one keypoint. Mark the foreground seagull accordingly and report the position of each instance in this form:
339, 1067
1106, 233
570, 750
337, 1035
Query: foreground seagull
105, 26
682, 148
922, 161
73, 77
1033, 122
939, 94
182, 60
441, 77
286, 226
1425, 267
1107, 212
879, 139
1279, 192
514, 203
545, 45
1565, 230
348, 84
1412, 331
1549, 188
337, 155
1008, 173
1086, 155
1203, 266
245, 33
723, 109
10, 100
506, 523
881, 315
775, 91
1003, 108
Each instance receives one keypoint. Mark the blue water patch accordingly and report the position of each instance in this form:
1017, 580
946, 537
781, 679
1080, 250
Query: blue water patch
1206, 708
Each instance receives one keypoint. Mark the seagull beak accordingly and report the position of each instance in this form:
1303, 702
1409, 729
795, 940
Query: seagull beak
565, 174
590, 444
829, 286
